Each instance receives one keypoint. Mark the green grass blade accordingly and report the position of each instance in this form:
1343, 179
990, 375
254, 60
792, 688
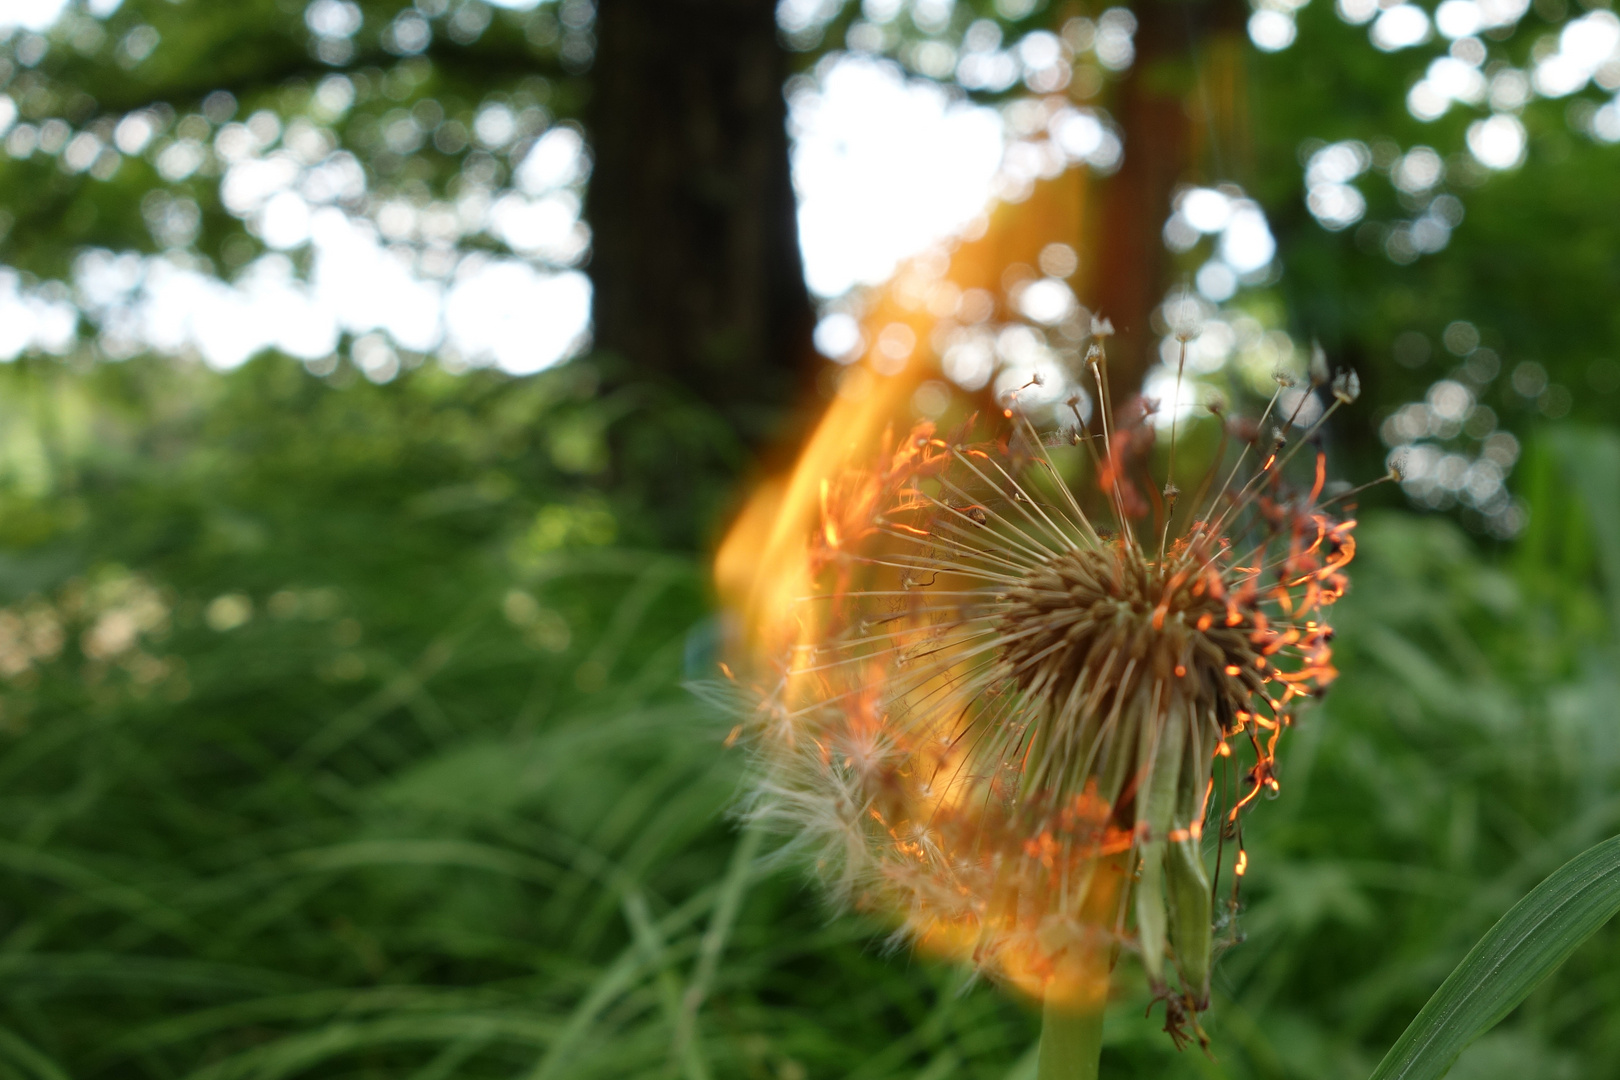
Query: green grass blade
738, 876
1534, 937
15, 1051
1592, 462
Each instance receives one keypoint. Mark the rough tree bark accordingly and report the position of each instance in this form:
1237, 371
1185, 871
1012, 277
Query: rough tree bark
696, 263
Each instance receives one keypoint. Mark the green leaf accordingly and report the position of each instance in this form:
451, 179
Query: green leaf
1524, 947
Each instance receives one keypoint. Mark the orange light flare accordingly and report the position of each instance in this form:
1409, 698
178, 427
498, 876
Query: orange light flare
806, 540
764, 564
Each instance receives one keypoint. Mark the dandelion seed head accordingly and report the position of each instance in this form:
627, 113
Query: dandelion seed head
1024, 694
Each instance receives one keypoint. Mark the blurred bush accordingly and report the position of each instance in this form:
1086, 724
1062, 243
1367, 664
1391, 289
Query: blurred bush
342, 734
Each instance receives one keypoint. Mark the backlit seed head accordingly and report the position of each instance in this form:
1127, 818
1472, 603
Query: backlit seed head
1319, 364
1017, 708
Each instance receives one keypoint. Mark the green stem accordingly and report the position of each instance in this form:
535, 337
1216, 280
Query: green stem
1071, 1040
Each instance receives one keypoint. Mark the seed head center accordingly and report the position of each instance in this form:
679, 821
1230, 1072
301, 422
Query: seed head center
1110, 619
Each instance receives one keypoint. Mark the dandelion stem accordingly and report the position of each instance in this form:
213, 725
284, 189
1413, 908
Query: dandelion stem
1071, 1040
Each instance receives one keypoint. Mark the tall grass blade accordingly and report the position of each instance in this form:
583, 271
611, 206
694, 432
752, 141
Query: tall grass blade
1533, 938
738, 875
1592, 462
31, 1063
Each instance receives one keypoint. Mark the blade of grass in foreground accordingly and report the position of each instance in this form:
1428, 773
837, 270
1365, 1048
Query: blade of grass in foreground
1534, 937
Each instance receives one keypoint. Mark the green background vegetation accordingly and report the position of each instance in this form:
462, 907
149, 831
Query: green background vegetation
438, 806
343, 730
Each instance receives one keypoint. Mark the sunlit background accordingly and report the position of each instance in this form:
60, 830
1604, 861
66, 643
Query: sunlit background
889, 160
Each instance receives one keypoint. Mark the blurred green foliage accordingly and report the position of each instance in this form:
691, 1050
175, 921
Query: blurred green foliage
414, 119
1534, 251
341, 728
409, 110
343, 736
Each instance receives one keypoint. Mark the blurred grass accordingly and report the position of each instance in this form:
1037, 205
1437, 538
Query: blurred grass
422, 797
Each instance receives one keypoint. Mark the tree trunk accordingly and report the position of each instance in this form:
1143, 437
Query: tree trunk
1180, 106
696, 263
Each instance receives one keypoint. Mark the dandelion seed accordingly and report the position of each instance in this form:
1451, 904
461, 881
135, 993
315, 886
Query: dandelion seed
1020, 717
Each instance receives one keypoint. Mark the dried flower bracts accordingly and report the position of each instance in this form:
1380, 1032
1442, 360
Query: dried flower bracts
1015, 730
